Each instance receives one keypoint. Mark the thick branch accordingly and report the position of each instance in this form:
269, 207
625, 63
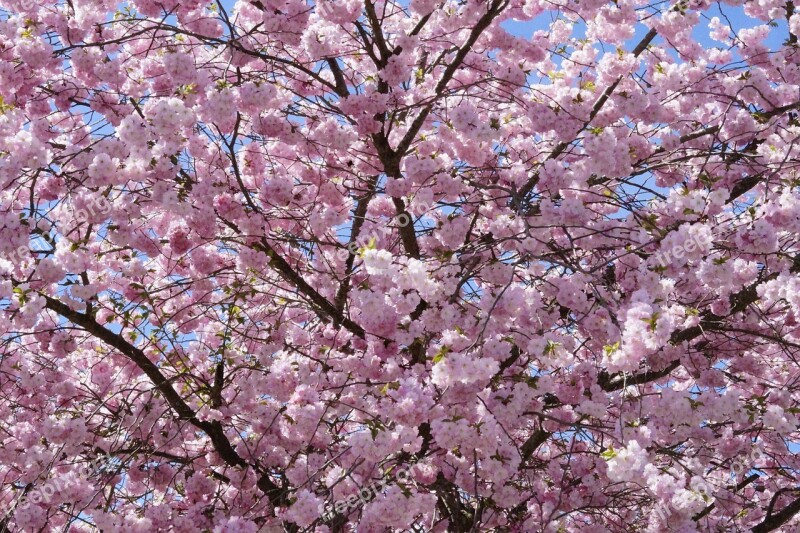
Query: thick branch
323, 307
773, 521
213, 429
495, 9
598, 105
538, 438
359, 216
710, 322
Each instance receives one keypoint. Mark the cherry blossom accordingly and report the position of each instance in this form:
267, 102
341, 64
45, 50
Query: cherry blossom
257, 257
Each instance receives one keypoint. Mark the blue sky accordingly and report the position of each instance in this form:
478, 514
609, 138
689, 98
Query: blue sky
738, 19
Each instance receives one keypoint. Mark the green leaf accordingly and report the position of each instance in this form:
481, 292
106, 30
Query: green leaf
4, 107
371, 245
650, 222
22, 296
440, 355
651, 321
608, 454
393, 385
611, 348
551, 346
707, 180
760, 117
185, 90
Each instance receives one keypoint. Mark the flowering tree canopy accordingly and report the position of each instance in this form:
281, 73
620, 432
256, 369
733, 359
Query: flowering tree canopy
259, 257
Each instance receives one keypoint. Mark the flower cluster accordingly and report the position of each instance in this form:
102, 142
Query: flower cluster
542, 259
